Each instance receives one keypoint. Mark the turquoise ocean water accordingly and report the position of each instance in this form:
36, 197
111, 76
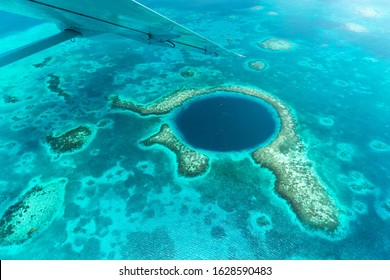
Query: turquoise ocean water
126, 201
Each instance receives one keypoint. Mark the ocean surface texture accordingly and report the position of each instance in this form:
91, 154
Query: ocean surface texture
78, 182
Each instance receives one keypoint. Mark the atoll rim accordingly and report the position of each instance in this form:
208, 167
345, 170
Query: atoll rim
190, 162
296, 179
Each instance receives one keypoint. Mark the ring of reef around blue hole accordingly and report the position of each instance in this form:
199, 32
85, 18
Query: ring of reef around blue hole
281, 150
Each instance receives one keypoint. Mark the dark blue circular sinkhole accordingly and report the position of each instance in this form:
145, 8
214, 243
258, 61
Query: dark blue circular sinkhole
226, 123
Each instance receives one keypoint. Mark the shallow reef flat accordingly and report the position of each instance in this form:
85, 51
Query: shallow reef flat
190, 162
276, 44
296, 178
32, 212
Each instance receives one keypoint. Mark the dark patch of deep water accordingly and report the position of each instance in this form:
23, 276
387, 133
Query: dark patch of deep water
227, 123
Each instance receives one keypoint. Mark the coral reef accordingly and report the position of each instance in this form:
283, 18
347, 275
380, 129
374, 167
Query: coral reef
367, 12
259, 223
354, 27
262, 221
276, 44
257, 65
43, 63
70, 141
190, 163
187, 73
296, 179
256, 8
33, 211
357, 182
345, 151
218, 232
359, 207
54, 86
386, 206
10, 98
326, 121
379, 146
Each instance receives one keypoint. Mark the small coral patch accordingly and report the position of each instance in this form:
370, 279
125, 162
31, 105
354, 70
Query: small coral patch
71, 141
257, 65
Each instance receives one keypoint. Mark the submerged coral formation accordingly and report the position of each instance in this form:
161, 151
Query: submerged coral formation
359, 207
259, 223
257, 65
10, 98
187, 73
367, 12
357, 182
386, 206
190, 163
354, 27
379, 146
345, 151
276, 44
296, 178
256, 8
54, 86
262, 221
326, 121
33, 211
71, 141
43, 63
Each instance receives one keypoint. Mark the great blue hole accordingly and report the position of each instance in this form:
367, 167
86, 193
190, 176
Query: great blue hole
227, 123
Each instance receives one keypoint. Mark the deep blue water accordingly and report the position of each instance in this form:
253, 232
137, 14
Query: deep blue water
125, 201
226, 123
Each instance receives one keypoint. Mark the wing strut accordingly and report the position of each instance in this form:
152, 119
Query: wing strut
38, 46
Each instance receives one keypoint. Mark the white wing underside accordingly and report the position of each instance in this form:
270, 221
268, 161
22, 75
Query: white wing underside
123, 17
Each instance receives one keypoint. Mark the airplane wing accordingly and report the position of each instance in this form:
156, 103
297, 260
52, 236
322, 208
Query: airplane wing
123, 17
